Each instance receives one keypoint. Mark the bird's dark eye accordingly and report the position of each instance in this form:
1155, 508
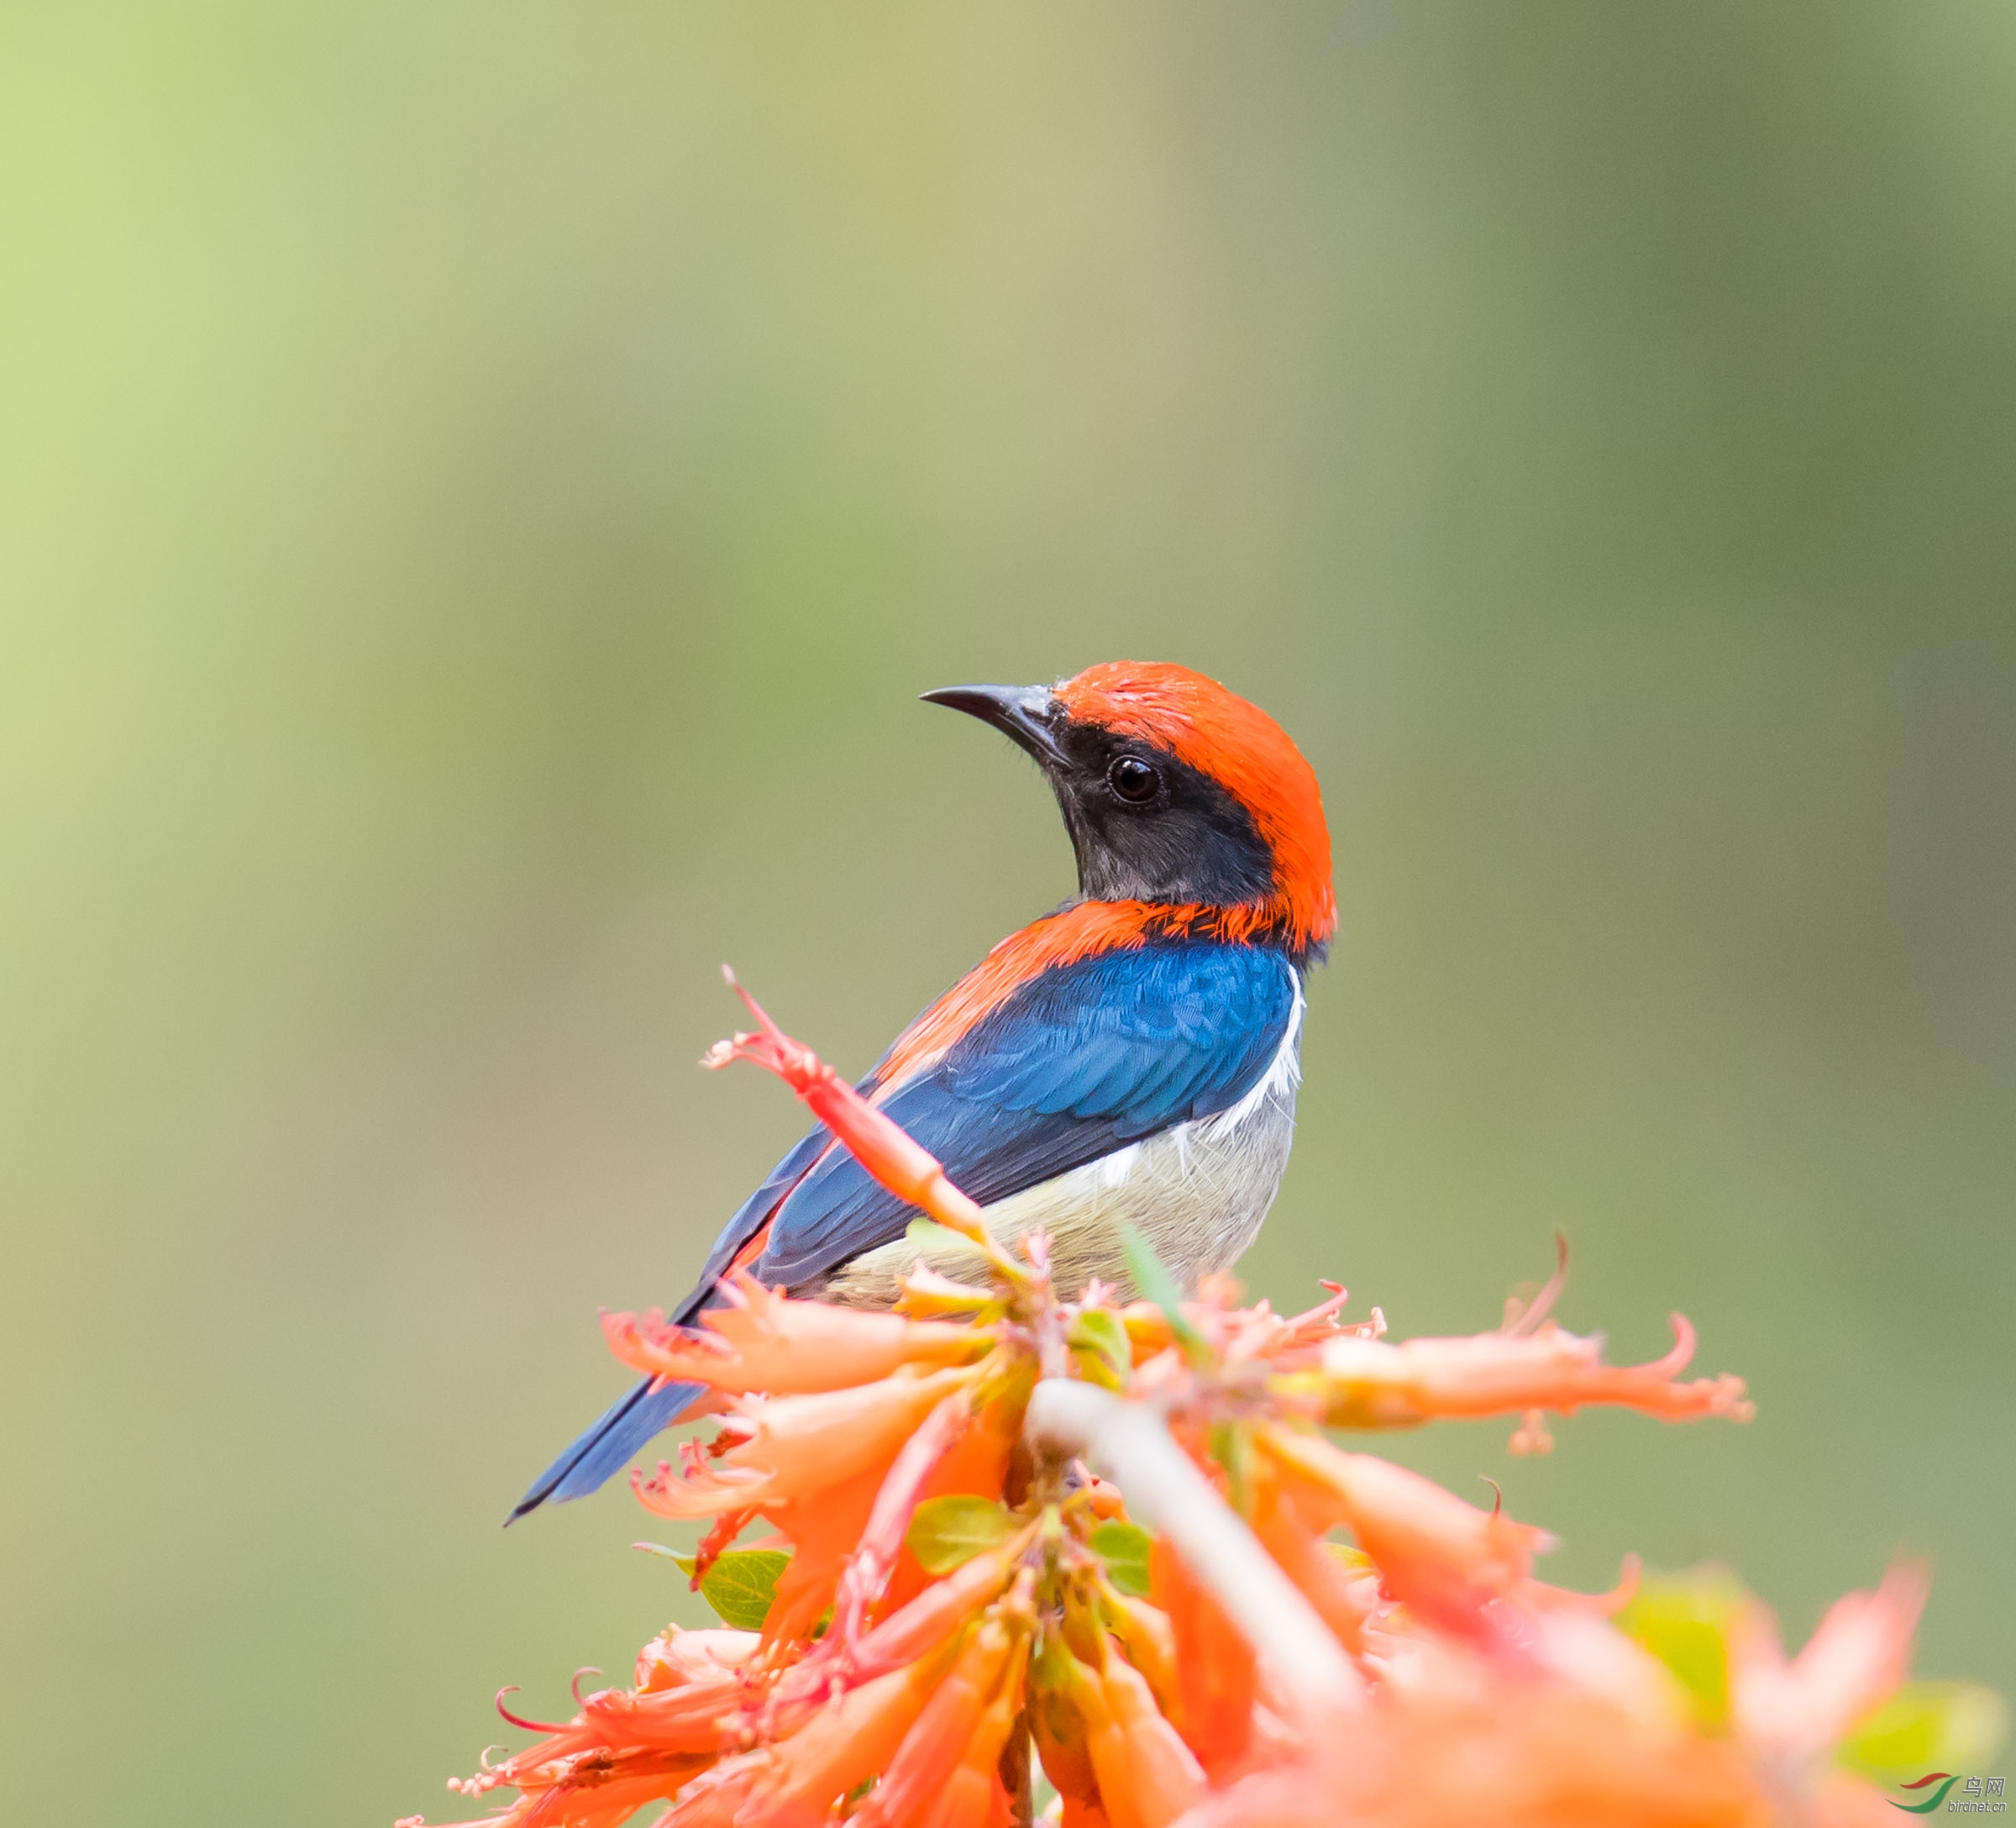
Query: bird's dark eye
1133, 781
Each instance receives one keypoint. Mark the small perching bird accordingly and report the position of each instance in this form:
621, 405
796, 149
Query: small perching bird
1130, 1059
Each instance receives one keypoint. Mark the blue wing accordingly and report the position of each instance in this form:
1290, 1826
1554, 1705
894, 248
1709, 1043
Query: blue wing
750, 1219
1078, 1062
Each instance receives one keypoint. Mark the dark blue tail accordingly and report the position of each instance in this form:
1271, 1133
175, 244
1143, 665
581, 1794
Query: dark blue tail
628, 1423
611, 1439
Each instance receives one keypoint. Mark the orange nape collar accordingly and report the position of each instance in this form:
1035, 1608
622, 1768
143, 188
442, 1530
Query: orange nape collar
1082, 931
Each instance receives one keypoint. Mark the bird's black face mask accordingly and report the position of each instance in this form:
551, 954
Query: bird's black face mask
1145, 825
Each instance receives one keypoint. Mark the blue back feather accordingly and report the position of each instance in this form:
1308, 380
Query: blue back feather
1080, 1061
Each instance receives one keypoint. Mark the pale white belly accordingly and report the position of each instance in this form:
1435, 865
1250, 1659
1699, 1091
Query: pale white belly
1197, 1192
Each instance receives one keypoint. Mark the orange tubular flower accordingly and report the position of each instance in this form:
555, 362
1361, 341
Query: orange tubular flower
799, 1447
937, 1745
1105, 1750
975, 1465
877, 1141
1518, 1754
839, 1746
882, 1536
764, 1341
596, 1799
687, 1720
1343, 1600
1792, 1712
973, 1796
1213, 1664
917, 1627
1057, 1723
1374, 1383
668, 1727
592, 1788
823, 1536
812, 1465
716, 1798
1444, 1558
1148, 1640
1147, 1776
676, 1657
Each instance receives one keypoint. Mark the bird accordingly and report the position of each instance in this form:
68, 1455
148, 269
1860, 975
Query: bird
1130, 1059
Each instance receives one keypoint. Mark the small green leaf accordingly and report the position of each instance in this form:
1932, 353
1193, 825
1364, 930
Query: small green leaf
741, 1584
946, 1532
1924, 1724
1685, 1621
1098, 1339
1231, 1447
1157, 1285
1124, 1548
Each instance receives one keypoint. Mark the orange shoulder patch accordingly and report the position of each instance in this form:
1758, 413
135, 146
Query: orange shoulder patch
1065, 938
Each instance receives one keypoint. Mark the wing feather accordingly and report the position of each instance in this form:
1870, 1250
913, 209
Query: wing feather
1083, 1060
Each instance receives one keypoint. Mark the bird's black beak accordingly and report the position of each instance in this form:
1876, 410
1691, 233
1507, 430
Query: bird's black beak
1027, 714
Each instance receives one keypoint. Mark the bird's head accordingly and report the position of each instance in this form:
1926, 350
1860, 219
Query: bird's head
1177, 793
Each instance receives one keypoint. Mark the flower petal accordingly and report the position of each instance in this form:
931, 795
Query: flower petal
762, 1340
1377, 1384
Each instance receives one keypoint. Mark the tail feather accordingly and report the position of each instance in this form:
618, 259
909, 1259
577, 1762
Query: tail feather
622, 1429
608, 1441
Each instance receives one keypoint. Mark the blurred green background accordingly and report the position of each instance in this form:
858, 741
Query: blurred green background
483, 486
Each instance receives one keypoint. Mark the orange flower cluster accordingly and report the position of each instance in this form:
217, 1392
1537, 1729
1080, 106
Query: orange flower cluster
944, 1591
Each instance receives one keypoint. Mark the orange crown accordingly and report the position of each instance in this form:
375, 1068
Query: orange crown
1247, 752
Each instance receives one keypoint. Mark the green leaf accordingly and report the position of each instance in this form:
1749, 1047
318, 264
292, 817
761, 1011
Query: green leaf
1925, 1725
1124, 1548
1157, 1285
741, 1585
1684, 1621
946, 1532
1231, 1447
1098, 1339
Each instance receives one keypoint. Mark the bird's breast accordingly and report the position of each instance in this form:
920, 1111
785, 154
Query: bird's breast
1197, 1191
